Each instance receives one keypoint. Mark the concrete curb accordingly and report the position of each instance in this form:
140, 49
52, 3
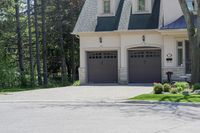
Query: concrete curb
162, 102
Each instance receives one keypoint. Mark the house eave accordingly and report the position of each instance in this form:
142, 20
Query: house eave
118, 31
173, 32
144, 31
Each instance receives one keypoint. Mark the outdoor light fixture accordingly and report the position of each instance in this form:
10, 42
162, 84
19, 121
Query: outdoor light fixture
100, 39
143, 38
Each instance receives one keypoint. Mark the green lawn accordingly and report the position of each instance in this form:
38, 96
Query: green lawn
4, 90
168, 97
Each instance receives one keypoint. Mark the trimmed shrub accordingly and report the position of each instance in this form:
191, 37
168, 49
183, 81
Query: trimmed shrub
180, 89
174, 91
196, 87
183, 85
158, 88
76, 83
167, 87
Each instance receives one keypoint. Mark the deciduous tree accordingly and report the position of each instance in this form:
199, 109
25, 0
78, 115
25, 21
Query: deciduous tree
194, 37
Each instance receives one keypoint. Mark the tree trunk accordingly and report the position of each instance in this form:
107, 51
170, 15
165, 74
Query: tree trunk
198, 43
194, 39
30, 44
19, 44
73, 61
37, 43
45, 73
63, 60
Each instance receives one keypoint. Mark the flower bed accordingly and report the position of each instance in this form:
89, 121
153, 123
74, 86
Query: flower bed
177, 92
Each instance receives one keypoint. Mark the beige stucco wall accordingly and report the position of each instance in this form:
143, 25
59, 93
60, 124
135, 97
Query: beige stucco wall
121, 42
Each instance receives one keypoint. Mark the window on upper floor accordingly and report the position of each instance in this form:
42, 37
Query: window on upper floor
106, 6
141, 5
192, 5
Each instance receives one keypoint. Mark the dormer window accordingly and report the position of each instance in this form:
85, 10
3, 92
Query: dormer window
106, 6
141, 6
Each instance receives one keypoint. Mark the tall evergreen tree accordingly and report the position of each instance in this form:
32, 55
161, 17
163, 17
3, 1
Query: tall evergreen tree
62, 52
30, 43
44, 42
37, 43
19, 44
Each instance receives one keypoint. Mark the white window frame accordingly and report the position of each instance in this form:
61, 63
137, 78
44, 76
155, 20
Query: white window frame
183, 53
148, 7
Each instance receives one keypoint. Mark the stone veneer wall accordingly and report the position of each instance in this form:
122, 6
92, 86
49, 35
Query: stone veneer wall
82, 76
123, 77
177, 72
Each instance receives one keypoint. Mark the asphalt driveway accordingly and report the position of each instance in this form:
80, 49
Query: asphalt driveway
78, 94
92, 109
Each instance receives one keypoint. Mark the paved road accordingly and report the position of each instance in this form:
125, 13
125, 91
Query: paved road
87, 116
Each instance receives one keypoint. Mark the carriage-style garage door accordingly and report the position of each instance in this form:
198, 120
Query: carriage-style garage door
102, 67
144, 66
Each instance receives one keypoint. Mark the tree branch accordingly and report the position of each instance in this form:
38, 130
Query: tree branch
188, 18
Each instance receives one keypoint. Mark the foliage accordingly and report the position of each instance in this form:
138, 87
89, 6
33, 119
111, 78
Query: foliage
180, 89
182, 85
167, 87
76, 83
168, 97
158, 88
9, 66
196, 87
174, 91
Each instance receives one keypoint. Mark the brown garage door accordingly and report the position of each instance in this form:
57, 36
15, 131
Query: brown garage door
102, 67
144, 66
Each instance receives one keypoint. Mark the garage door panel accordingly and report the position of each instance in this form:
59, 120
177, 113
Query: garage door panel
102, 67
144, 66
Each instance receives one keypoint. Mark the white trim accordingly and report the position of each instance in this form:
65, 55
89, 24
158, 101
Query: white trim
163, 32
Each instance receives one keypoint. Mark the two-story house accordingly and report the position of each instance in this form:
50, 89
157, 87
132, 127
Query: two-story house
132, 41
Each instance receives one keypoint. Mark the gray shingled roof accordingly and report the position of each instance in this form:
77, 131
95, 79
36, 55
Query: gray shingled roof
179, 23
87, 20
124, 20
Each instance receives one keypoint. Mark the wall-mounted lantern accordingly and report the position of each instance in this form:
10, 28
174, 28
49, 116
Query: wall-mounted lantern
143, 38
100, 40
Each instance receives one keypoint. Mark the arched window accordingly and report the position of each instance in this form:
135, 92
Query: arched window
106, 6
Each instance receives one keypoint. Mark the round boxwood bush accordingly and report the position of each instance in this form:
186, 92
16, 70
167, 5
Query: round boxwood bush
196, 87
167, 87
158, 88
183, 85
174, 90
